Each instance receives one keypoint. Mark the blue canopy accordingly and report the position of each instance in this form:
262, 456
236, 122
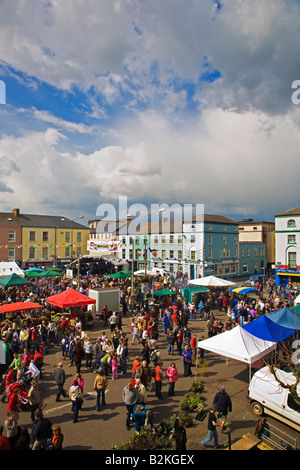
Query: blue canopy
266, 329
285, 317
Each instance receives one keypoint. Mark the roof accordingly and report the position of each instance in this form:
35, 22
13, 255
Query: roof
290, 212
43, 221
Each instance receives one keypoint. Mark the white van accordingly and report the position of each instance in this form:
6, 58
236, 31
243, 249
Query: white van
267, 396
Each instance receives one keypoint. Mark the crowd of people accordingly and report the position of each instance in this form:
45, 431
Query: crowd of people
27, 342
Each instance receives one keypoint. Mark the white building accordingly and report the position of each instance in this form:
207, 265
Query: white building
287, 247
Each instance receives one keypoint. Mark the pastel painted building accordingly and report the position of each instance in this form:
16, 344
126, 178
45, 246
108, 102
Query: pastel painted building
287, 247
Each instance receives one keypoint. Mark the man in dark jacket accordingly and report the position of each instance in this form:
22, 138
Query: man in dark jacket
223, 403
41, 432
60, 378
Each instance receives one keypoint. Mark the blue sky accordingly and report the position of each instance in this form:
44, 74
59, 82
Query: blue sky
158, 101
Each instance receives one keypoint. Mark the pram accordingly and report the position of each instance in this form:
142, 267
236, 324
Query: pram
23, 397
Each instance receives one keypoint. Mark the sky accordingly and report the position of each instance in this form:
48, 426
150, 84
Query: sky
161, 102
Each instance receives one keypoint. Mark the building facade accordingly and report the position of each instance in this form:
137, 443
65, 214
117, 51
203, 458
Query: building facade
43, 240
287, 247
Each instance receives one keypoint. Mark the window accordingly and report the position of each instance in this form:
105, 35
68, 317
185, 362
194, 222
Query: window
193, 238
79, 251
193, 254
156, 240
45, 236
163, 240
32, 236
123, 253
292, 403
172, 239
291, 239
163, 254
171, 254
228, 253
224, 228
210, 253
78, 237
292, 259
137, 240
179, 254
210, 240
11, 236
224, 239
45, 252
291, 223
179, 239
242, 252
248, 251
11, 254
245, 267
67, 237
31, 252
67, 252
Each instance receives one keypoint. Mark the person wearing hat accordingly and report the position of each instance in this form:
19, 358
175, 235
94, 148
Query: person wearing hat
223, 403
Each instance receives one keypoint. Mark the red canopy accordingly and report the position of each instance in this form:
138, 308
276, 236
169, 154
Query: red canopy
18, 306
70, 298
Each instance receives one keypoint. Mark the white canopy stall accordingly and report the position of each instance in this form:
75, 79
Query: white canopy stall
211, 281
238, 344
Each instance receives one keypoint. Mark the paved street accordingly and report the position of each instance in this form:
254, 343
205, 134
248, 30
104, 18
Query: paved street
102, 430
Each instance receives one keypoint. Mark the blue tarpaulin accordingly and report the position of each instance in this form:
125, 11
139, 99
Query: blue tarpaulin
266, 329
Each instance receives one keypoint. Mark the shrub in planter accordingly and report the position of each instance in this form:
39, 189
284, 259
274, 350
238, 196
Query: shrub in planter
191, 402
185, 417
197, 387
146, 440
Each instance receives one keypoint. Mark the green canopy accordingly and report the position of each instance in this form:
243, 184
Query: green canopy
188, 292
121, 274
14, 280
296, 308
163, 292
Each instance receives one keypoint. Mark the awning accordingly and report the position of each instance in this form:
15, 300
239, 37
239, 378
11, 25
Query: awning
243, 290
14, 280
158, 293
19, 306
70, 298
267, 329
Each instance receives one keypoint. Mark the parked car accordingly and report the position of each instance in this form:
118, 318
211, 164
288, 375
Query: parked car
267, 396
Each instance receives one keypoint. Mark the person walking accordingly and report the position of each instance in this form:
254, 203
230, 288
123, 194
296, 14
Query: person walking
88, 351
42, 431
113, 319
60, 378
77, 355
212, 428
76, 397
100, 385
180, 434
187, 361
172, 374
130, 397
158, 374
33, 399
223, 403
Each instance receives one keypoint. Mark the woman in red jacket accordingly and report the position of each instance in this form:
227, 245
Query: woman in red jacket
14, 401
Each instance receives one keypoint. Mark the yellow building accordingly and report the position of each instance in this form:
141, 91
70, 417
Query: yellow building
51, 240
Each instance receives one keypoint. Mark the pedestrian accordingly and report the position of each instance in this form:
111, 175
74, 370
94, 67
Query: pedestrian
113, 319
180, 434
172, 374
41, 432
142, 398
187, 361
100, 385
223, 403
88, 351
33, 399
158, 375
76, 397
145, 373
130, 398
212, 427
171, 342
77, 355
80, 381
114, 366
60, 378
57, 437
12, 429
135, 365
23, 441
141, 416
4, 441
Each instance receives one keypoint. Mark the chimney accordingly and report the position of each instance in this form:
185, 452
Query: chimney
16, 212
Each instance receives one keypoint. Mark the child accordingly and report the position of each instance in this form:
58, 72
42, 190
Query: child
57, 438
114, 367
